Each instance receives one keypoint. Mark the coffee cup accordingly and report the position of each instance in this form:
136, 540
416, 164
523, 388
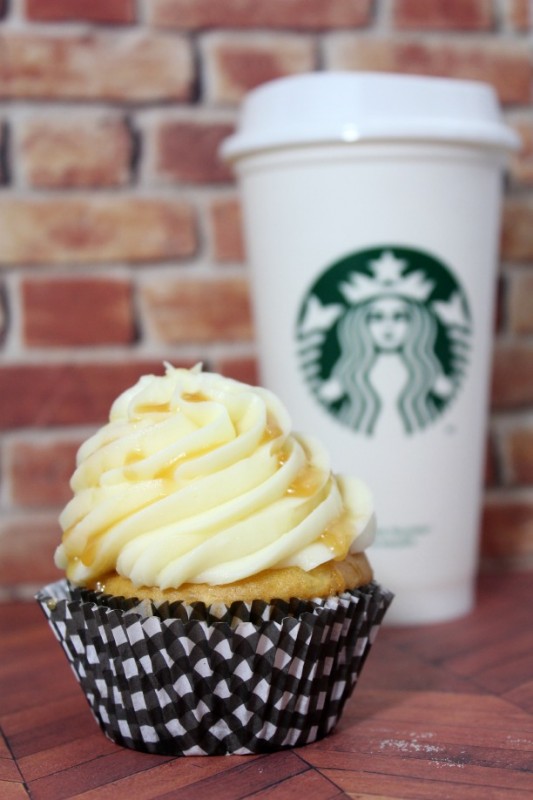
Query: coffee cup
371, 207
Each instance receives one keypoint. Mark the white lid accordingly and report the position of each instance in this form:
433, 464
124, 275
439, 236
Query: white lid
327, 107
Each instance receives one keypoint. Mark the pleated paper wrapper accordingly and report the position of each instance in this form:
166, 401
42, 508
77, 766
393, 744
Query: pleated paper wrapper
196, 680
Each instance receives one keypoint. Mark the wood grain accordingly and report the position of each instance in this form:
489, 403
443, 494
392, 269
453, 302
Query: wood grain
441, 712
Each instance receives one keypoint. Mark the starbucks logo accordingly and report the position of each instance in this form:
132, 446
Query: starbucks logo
385, 331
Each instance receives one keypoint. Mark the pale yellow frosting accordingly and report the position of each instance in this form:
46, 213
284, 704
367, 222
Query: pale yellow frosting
197, 478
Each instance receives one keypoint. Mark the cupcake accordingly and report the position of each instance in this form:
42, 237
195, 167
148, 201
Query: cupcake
218, 598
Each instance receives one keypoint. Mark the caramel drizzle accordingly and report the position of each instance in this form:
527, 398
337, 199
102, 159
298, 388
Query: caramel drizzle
195, 397
307, 482
338, 537
133, 457
166, 408
152, 408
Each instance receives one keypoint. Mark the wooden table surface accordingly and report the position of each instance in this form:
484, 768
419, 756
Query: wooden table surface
443, 711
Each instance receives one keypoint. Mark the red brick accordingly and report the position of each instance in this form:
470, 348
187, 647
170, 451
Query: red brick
473, 15
188, 152
237, 63
226, 225
521, 163
3, 316
41, 395
491, 463
76, 152
195, 310
499, 304
519, 451
504, 64
518, 14
94, 229
507, 530
3, 138
39, 473
240, 369
521, 303
27, 548
111, 11
77, 311
517, 229
512, 379
283, 14
128, 66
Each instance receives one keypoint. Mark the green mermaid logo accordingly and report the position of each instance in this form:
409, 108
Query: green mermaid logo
385, 331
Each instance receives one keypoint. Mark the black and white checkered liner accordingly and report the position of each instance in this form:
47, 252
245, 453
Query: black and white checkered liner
245, 679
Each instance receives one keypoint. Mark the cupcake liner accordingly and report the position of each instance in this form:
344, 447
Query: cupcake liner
211, 680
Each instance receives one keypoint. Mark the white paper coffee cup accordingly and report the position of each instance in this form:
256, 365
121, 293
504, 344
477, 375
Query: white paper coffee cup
372, 211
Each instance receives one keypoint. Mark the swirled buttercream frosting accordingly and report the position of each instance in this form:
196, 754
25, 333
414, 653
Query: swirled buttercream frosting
198, 478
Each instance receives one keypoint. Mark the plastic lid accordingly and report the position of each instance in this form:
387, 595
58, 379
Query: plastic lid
328, 107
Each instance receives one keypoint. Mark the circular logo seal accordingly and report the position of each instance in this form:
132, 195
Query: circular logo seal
384, 330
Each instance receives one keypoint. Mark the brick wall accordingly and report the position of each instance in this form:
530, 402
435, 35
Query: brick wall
118, 223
